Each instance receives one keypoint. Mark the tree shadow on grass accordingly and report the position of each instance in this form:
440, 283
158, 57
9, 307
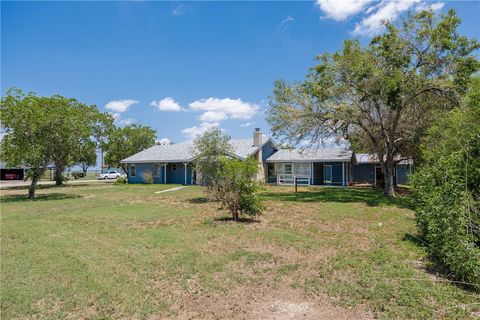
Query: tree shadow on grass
368, 196
198, 200
39, 197
240, 220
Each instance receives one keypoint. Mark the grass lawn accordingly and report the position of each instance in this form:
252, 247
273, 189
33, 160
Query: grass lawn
123, 251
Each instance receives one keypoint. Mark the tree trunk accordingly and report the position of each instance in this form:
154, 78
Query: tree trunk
84, 169
389, 187
33, 186
58, 175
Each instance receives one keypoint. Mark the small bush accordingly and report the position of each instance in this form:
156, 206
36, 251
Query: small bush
121, 180
78, 174
148, 177
237, 187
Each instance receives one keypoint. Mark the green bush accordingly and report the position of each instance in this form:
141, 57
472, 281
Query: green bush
121, 180
78, 174
237, 187
446, 191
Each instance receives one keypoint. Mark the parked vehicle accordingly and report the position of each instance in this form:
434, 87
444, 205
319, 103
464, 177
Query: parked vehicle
112, 174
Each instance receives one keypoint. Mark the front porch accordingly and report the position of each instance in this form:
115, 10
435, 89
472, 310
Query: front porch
309, 173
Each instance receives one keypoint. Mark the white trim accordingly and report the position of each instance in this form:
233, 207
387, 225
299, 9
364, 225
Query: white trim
185, 167
165, 173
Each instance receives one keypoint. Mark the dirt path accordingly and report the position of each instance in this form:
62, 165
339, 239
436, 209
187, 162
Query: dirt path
171, 189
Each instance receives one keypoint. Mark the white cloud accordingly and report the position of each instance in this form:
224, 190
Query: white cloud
166, 104
387, 10
282, 27
193, 132
372, 12
164, 141
177, 11
213, 116
120, 105
246, 124
340, 10
231, 108
125, 122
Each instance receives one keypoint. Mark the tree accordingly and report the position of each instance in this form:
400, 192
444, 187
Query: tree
446, 190
102, 128
86, 155
73, 122
126, 141
211, 146
237, 187
381, 97
28, 126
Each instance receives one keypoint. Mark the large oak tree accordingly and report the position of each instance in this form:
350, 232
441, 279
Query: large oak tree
383, 96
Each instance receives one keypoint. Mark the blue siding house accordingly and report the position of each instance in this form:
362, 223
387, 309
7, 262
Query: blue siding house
328, 166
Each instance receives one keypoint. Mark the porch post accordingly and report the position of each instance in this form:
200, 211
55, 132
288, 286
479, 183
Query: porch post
165, 173
343, 174
185, 166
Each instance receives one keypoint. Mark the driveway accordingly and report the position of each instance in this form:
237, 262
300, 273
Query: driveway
20, 183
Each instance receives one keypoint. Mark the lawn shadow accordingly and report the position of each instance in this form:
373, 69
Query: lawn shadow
198, 200
369, 196
39, 197
240, 220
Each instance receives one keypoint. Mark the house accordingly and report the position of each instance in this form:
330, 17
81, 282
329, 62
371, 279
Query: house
174, 163
328, 166
10, 173
368, 170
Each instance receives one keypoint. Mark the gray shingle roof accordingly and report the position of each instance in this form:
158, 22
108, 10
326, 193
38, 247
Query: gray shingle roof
372, 158
185, 152
325, 154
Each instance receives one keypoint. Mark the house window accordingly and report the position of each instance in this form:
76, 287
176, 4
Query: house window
133, 170
156, 169
174, 167
288, 168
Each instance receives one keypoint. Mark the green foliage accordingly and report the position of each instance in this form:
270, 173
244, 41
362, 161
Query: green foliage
447, 191
78, 174
148, 177
381, 97
120, 180
86, 154
237, 187
211, 146
126, 141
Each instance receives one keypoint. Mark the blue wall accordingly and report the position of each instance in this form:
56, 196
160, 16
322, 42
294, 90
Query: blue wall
267, 150
364, 173
403, 171
336, 172
173, 176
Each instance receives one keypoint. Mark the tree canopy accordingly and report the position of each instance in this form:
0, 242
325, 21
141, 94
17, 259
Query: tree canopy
381, 97
126, 141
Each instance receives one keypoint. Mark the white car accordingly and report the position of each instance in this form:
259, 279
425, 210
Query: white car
112, 174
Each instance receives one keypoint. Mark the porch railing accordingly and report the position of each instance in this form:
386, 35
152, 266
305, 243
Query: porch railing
289, 179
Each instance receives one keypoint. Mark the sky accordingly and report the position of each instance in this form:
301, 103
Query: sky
183, 67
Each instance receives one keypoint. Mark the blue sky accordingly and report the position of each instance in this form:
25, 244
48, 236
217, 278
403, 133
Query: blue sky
181, 67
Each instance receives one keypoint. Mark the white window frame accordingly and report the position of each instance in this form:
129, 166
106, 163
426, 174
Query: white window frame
285, 168
133, 170
157, 168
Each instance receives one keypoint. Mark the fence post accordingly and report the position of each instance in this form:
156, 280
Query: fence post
295, 181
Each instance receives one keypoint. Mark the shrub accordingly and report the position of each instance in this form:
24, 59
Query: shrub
446, 192
78, 174
237, 187
148, 177
121, 180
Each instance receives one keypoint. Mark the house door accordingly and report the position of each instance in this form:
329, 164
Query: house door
379, 176
271, 173
317, 173
328, 173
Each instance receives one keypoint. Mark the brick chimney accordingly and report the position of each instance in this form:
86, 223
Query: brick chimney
257, 137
